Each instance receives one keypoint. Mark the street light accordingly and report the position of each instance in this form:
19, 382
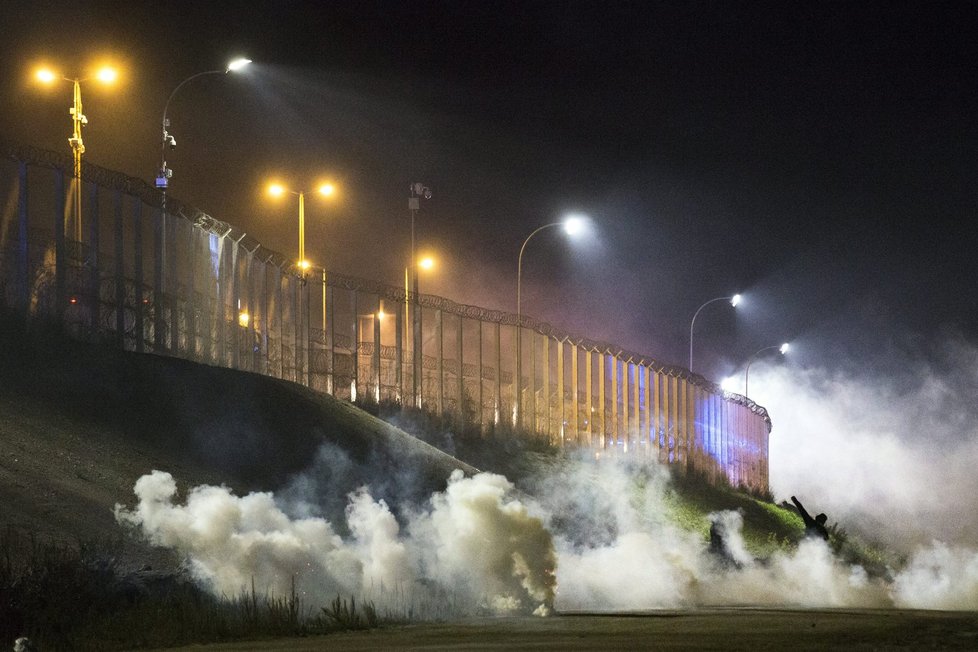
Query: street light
164, 174
106, 75
783, 349
277, 190
734, 300
573, 225
418, 191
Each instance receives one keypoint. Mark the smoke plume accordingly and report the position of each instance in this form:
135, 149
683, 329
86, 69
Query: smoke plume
475, 543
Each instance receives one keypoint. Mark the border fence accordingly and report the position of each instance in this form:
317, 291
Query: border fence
158, 276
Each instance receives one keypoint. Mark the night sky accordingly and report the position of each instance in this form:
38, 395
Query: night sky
821, 158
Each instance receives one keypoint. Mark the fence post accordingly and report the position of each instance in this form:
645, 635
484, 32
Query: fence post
60, 253
440, 385
375, 359
94, 281
546, 390
173, 284
560, 391
602, 400
575, 420
137, 252
636, 432
23, 257
120, 277
589, 397
625, 425
159, 251
481, 396
191, 294
355, 349
499, 374
330, 357
401, 389
460, 408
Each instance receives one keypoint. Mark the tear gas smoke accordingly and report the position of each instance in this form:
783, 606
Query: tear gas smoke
603, 536
893, 459
475, 541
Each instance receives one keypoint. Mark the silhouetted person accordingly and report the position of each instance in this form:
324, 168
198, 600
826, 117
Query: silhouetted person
814, 527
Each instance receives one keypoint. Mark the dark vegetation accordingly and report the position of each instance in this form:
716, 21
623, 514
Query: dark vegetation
75, 597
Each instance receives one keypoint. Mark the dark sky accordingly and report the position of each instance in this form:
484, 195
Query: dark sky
821, 158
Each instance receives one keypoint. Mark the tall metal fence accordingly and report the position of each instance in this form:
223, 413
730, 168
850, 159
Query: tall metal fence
162, 277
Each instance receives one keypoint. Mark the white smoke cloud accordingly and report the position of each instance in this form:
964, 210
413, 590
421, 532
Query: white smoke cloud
651, 562
603, 536
892, 459
939, 577
232, 541
476, 541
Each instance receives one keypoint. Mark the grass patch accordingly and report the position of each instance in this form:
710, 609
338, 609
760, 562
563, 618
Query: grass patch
75, 597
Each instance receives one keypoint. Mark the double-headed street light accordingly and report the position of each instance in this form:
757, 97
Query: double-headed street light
106, 75
734, 300
573, 225
783, 349
277, 190
164, 173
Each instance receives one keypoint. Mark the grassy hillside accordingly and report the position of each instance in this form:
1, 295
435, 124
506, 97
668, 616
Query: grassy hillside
79, 423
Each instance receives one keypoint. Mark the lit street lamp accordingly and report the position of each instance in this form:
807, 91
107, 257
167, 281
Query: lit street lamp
783, 349
164, 174
106, 75
277, 190
573, 225
734, 300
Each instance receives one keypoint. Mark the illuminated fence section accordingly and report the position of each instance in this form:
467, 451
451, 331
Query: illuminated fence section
171, 280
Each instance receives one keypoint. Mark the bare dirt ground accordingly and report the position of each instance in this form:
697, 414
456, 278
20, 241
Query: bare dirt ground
707, 629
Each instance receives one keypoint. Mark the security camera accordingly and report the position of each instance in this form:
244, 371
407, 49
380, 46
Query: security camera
169, 140
427, 193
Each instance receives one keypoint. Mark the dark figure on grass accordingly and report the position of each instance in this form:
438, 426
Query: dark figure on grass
814, 527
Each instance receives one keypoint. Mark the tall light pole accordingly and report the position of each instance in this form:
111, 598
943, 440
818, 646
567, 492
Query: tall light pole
106, 75
164, 174
418, 191
783, 349
734, 300
277, 190
572, 226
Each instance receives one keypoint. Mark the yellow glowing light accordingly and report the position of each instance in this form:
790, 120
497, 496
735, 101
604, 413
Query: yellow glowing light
46, 76
327, 189
243, 318
427, 263
107, 74
276, 189
304, 265
381, 314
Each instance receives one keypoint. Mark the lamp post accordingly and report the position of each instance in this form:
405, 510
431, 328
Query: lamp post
734, 300
277, 190
165, 173
783, 349
418, 191
106, 75
572, 226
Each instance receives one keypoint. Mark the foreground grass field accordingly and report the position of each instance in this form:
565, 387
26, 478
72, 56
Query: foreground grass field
711, 629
